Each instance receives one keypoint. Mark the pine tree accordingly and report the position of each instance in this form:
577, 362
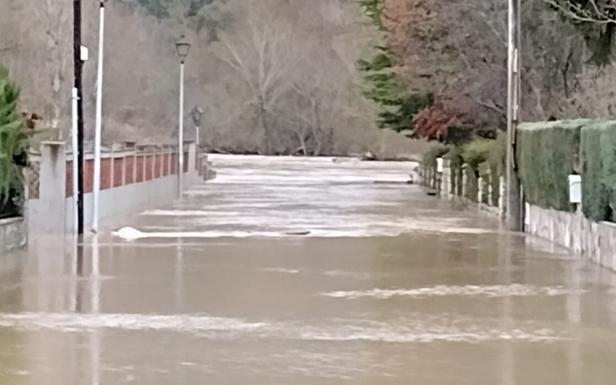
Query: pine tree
13, 145
398, 107
374, 10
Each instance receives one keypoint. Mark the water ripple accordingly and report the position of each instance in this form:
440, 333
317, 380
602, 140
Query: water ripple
420, 329
494, 291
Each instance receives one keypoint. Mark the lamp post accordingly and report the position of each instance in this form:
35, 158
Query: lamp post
99, 118
183, 49
197, 113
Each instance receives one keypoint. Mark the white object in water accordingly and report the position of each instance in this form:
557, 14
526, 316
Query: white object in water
130, 233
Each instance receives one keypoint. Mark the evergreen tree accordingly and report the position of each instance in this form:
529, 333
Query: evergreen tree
398, 106
13, 145
374, 10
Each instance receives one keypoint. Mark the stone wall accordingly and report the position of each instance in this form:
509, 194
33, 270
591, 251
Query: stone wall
13, 234
595, 241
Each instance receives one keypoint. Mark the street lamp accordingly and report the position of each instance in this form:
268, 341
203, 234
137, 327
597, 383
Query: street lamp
99, 117
197, 113
183, 49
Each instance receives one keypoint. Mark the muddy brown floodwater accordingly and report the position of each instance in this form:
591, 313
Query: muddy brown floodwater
385, 286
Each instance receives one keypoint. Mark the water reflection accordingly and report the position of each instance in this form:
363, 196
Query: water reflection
507, 356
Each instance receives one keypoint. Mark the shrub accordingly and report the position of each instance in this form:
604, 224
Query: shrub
13, 146
434, 152
476, 152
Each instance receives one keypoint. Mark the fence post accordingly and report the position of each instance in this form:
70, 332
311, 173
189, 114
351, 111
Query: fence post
502, 205
490, 177
464, 170
446, 178
480, 189
52, 191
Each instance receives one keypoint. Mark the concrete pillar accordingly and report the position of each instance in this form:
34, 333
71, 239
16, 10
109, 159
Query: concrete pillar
502, 206
464, 171
169, 165
130, 147
49, 215
112, 163
446, 179
490, 176
480, 190
203, 163
191, 175
432, 177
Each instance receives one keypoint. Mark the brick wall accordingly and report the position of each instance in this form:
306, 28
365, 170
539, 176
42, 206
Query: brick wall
125, 168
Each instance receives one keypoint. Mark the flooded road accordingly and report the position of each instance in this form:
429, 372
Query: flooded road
306, 272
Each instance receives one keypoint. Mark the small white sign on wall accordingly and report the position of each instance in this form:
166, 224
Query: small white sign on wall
439, 164
575, 189
84, 54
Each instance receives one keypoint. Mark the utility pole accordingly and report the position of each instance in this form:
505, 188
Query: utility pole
514, 202
78, 66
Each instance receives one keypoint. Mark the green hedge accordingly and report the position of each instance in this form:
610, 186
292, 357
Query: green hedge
472, 183
598, 148
547, 155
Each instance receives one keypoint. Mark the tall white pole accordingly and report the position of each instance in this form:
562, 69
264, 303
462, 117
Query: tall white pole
181, 134
99, 119
75, 145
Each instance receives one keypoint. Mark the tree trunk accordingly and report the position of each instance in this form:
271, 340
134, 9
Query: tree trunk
302, 141
316, 129
264, 126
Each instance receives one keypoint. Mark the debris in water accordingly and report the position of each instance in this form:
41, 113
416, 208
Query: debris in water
130, 233
298, 233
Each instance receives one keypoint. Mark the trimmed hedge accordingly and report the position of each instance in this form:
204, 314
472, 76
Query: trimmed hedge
598, 151
547, 153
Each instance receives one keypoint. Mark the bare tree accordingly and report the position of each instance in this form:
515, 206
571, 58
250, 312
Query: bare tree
262, 54
587, 11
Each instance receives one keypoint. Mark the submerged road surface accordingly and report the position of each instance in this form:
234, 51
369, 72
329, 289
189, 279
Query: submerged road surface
306, 272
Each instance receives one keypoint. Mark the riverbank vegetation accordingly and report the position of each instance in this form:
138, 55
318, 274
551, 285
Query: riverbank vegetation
271, 76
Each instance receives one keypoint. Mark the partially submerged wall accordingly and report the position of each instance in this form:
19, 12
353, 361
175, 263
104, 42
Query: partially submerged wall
594, 240
484, 188
13, 234
547, 154
132, 178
